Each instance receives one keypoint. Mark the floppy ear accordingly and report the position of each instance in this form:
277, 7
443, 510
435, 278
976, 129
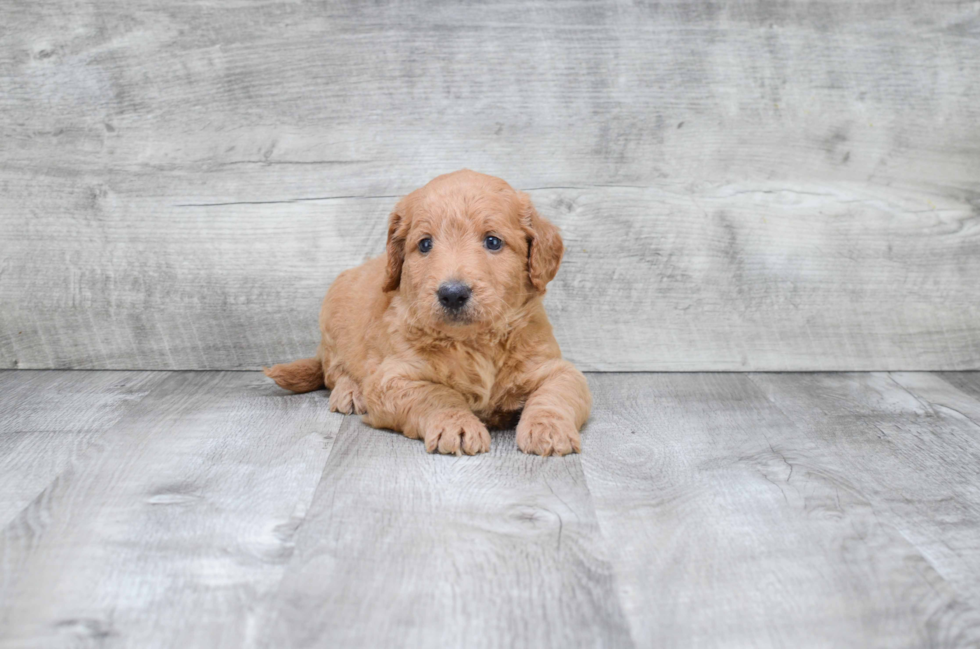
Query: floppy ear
545, 247
397, 231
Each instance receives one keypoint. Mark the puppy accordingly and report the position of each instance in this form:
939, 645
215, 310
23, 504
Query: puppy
446, 333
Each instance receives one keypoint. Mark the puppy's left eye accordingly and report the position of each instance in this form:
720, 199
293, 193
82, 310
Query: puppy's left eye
493, 243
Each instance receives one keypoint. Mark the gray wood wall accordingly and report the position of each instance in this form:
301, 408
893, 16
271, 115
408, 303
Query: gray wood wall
742, 185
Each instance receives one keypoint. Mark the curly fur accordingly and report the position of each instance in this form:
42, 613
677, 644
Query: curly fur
390, 352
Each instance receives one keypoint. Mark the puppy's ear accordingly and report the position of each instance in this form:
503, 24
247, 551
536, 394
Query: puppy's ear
545, 247
397, 231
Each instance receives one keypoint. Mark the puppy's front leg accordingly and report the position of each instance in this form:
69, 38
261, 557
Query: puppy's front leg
424, 410
555, 411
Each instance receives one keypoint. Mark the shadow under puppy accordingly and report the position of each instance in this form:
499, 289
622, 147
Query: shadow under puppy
446, 333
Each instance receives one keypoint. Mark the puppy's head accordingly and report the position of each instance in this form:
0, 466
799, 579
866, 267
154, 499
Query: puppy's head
467, 250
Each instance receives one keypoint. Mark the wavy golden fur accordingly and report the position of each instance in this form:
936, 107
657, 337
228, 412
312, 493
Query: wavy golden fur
393, 352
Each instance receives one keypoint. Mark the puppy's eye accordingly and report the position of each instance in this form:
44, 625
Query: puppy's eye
425, 245
493, 243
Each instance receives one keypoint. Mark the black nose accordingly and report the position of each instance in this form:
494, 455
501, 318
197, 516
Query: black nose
453, 295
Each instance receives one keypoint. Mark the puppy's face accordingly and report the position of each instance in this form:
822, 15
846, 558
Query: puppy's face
466, 250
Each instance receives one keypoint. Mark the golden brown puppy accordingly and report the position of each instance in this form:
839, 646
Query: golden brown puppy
446, 334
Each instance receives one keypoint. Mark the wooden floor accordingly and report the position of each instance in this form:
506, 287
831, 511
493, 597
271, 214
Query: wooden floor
211, 509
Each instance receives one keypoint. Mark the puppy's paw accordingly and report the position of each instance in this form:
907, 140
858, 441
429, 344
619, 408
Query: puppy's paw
456, 432
544, 434
345, 397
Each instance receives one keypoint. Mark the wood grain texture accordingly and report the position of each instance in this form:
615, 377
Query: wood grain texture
748, 185
744, 518
175, 528
49, 419
968, 382
908, 447
208, 509
403, 548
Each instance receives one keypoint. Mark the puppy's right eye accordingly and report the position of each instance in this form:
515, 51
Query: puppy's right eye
425, 245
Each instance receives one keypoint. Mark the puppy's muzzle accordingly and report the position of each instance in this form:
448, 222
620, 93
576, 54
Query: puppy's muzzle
453, 296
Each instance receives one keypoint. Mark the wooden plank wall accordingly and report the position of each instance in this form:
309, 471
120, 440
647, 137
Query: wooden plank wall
742, 185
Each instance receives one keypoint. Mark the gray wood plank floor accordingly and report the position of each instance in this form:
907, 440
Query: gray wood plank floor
211, 509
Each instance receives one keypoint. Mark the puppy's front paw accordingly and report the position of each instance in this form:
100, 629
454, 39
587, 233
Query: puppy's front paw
543, 434
456, 432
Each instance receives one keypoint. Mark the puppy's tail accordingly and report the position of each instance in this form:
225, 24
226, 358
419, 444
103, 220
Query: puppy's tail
304, 375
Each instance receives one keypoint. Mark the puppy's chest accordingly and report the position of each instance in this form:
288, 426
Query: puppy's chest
486, 383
